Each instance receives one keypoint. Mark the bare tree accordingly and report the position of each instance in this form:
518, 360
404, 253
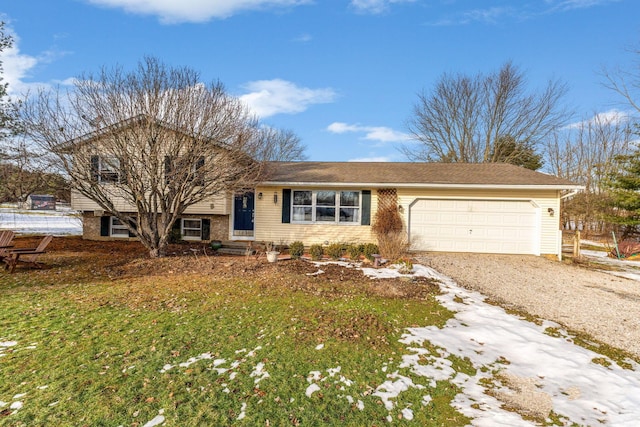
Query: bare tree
626, 83
281, 145
464, 117
586, 154
21, 171
147, 144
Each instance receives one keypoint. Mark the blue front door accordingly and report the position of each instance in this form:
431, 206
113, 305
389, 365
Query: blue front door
243, 211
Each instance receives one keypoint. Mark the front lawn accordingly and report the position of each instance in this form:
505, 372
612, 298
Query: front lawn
103, 336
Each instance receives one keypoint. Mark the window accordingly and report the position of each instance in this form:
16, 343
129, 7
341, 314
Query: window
191, 229
302, 206
108, 169
177, 168
117, 228
326, 206
350, 206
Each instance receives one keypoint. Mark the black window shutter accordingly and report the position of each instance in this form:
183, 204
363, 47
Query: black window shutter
123, 171
365, 218
286, 206
167, 169
134, 225
200, 173
177, 228
206, 229
105, 225
95, 168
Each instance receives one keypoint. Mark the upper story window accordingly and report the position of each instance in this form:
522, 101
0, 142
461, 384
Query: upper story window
326, 206
176, 168
105, 169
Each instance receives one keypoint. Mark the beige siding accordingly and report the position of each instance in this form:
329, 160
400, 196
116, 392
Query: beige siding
269, 226
82, 203
544, 199
217, 205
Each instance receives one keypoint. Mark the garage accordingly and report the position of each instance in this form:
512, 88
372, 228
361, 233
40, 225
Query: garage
481, 226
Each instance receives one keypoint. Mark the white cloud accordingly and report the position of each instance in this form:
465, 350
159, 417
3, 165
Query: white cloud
16, 65
172, 11
375, 6
564, 5
612, 118
372, 133
372, 159
522, 11
270, 97
303, 38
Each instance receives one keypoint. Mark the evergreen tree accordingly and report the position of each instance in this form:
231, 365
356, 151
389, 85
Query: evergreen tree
624, 184
8, 109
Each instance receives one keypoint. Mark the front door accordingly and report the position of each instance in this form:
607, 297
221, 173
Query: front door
243, 212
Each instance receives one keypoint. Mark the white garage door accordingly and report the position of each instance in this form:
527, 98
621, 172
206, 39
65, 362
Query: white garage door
483, 226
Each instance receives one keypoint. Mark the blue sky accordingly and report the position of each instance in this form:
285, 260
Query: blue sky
342, 74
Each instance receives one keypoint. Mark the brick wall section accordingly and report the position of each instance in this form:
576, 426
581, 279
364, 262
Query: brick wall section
91, 227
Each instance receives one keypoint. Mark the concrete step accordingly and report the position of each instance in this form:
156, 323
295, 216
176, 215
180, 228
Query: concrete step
234, 251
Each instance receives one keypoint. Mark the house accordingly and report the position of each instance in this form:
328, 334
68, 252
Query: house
456, 207
45, 202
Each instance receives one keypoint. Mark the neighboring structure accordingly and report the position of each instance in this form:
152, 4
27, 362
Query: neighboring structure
43, 202
484, 208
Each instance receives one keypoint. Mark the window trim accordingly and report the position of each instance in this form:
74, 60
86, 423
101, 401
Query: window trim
183, 228
106, 169
120, 226
337, 206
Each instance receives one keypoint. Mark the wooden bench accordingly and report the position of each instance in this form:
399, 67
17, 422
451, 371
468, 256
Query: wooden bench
26, 255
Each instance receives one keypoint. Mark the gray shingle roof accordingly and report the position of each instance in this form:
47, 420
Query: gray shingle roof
411, 174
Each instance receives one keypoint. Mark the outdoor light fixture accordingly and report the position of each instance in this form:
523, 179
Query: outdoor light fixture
275, 197
551, 211
260, 196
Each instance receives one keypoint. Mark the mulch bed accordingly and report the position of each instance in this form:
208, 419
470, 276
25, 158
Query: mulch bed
73, 257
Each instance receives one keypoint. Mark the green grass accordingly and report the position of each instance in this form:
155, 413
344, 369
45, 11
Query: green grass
100, 347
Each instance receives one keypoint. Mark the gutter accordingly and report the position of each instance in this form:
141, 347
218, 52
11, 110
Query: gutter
575, 188
572, 193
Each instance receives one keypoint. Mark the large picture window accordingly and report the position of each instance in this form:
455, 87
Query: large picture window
326, 206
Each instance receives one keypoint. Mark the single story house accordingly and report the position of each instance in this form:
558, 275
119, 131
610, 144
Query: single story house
45, 202
451, 207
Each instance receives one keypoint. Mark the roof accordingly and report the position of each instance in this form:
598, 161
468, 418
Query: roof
377, 174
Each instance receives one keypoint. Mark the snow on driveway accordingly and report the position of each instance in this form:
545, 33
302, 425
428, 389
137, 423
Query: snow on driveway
564, 376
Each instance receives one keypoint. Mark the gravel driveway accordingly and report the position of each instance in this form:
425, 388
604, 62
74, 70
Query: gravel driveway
605, 306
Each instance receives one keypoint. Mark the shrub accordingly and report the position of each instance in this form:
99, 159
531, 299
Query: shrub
335, 250
175, 236
369, 250
393, 245
354, 251
316, 251
405, 266
296, 249
387, 220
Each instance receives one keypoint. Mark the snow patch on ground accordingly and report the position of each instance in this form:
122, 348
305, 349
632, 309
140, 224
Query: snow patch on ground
62, 222
580, 390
